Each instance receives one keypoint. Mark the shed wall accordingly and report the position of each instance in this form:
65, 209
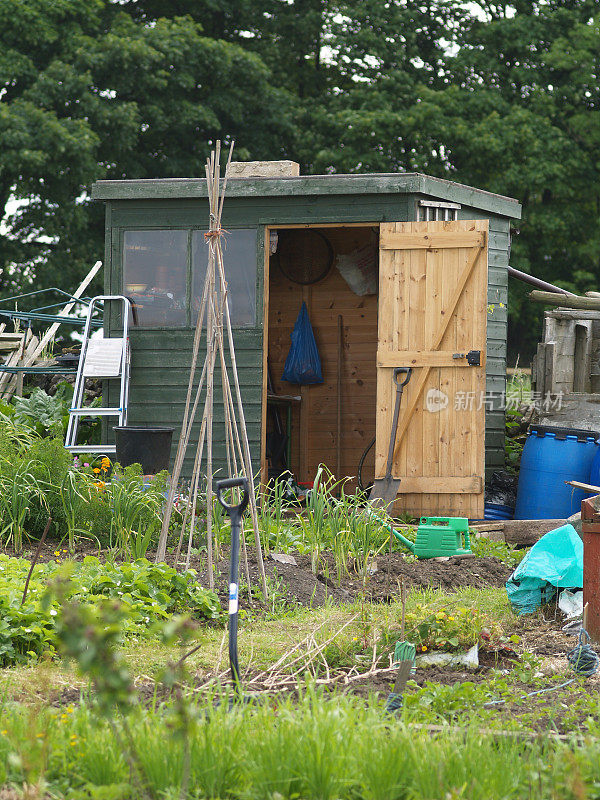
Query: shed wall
497, 327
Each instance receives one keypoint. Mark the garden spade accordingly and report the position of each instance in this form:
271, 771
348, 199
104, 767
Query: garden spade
385, 489
235, 515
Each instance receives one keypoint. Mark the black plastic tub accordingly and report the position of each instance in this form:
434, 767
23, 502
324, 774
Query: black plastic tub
150, 447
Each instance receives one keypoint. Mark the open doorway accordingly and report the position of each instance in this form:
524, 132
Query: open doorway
334, 270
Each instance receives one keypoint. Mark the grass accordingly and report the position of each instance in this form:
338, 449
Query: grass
313, 748
262, 642
313, 744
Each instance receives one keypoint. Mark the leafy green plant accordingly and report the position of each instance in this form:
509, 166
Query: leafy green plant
513, 441
447, 630
26, 630
484, 547
40, 412
148, 593
90, 429
438, 701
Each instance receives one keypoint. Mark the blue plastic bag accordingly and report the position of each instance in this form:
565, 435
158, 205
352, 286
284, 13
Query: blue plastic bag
303, 364
556, 561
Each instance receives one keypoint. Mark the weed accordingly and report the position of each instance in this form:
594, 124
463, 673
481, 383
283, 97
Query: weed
507, 553
278, 603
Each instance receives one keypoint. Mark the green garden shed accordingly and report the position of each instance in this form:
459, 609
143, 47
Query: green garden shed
396, 271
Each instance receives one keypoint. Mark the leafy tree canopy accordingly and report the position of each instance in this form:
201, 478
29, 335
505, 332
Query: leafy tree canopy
87, 92
501, 95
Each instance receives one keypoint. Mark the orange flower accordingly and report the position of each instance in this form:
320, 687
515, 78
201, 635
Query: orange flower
96, 471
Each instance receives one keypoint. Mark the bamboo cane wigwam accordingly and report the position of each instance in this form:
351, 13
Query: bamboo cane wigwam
214, 309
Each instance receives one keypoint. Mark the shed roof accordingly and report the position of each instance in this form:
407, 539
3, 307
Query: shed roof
305, 185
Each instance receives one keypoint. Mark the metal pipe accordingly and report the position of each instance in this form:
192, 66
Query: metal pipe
537, 282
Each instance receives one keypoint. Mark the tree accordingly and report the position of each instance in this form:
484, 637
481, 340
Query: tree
529, 99
508, 103
501, 95
87, 92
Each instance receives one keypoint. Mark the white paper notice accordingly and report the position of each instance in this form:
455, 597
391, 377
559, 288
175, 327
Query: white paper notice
103, 358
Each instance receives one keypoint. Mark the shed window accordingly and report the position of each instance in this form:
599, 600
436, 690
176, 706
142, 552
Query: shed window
435, 211
240, 259
160, 265
155, 276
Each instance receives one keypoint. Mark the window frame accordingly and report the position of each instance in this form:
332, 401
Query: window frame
190, 324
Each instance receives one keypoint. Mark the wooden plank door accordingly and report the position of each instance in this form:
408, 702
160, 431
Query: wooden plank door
432, 313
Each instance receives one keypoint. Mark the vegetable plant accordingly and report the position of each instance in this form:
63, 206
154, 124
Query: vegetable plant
147, 593
314, 522
74, 492
19, 489
135, 508
39, 411
272, 509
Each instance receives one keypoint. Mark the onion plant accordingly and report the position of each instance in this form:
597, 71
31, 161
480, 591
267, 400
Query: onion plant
19, 489
367, 539
136, 513
220, 527
339, 532
74, 491
19, 435
273, 508
315, 522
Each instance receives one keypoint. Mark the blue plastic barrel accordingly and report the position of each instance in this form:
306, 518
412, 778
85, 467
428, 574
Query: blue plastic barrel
595, 471
550, 457
497, 511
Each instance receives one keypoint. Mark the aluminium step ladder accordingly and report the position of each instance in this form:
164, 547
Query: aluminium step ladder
101, 358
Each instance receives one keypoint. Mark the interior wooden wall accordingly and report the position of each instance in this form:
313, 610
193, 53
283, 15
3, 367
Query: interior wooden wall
314, 427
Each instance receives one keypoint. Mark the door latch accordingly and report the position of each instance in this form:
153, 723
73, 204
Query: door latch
473, 357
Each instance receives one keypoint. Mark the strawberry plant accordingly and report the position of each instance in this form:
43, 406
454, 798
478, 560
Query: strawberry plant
146, 592
447, 630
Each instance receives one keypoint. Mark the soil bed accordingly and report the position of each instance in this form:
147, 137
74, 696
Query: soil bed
298, 584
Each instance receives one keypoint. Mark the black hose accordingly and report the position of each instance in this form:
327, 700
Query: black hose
359, 477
